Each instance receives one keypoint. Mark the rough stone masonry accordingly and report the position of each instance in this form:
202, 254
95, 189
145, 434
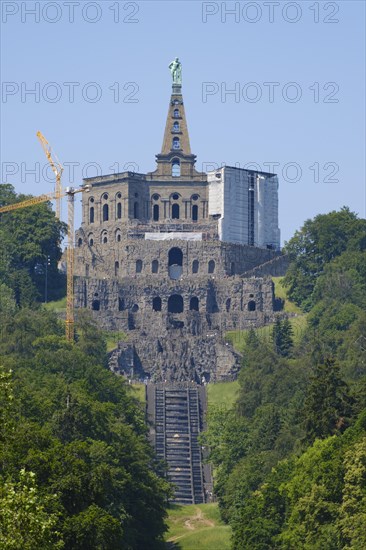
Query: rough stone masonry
174, 258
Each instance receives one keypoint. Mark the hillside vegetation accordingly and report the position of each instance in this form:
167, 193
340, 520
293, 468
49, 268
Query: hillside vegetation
76, 469
290, 454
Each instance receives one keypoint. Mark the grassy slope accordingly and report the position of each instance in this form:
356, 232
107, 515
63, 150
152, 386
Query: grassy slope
57, 306
139, 392
197, 527
222, 393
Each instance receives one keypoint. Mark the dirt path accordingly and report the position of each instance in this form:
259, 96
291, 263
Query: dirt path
198, 521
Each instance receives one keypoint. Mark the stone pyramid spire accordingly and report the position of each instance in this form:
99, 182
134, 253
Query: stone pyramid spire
176, 158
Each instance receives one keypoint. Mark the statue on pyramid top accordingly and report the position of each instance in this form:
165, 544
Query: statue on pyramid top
176, 70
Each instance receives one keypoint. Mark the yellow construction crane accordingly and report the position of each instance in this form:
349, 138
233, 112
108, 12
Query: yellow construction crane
70, 193
57, 169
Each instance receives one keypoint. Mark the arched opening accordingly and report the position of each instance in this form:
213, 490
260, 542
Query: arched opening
95, 305
154, 266
91, 241
175, 304
195, 266
175, 256
176, 126
175, 212
118, 236
194, 212
135, 308
80, 241
119, 210
211, 266
157, 303
194, 304
121, 304
116, 268
176, 143
156, 212
91, 214
175, 263
105, 212
104, 237
175, 168
228, 304
136, 210
176, 113
138, 266
251, 305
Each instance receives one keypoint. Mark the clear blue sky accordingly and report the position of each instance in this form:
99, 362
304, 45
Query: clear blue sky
114, 51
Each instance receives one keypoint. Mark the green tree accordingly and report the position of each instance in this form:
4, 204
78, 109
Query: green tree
317, 243
328, 404
282, 337
25, 519
28, 237
352, 517
7, 301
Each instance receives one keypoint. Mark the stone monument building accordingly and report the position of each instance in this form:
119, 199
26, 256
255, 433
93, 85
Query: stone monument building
176, 257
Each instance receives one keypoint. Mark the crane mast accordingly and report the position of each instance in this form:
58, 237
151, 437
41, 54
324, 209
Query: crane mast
70, 265
70, 193
57, 169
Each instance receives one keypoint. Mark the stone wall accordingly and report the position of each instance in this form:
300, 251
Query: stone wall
107, 254
276, 267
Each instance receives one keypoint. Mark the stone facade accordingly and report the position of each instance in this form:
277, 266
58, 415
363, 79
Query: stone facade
150, 262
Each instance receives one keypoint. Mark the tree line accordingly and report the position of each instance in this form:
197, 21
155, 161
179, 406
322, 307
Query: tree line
290, 456
76, 468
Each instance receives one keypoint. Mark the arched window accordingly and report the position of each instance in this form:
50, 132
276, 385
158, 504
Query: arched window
228, 304
95, 305
175, 212
138, 266
175, 263
91, 241
175, 304
116, 268
121, 304
194, 304
119, 210
195, 266
91, 214
105, 212
175, 256
194, 213
135, 308
211, 266
80, 241
175, 168
104, 237
251, 305
176, 143
118, 236
136, 210
176, 113
176, 126
156, 213
157, 303
154, 266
